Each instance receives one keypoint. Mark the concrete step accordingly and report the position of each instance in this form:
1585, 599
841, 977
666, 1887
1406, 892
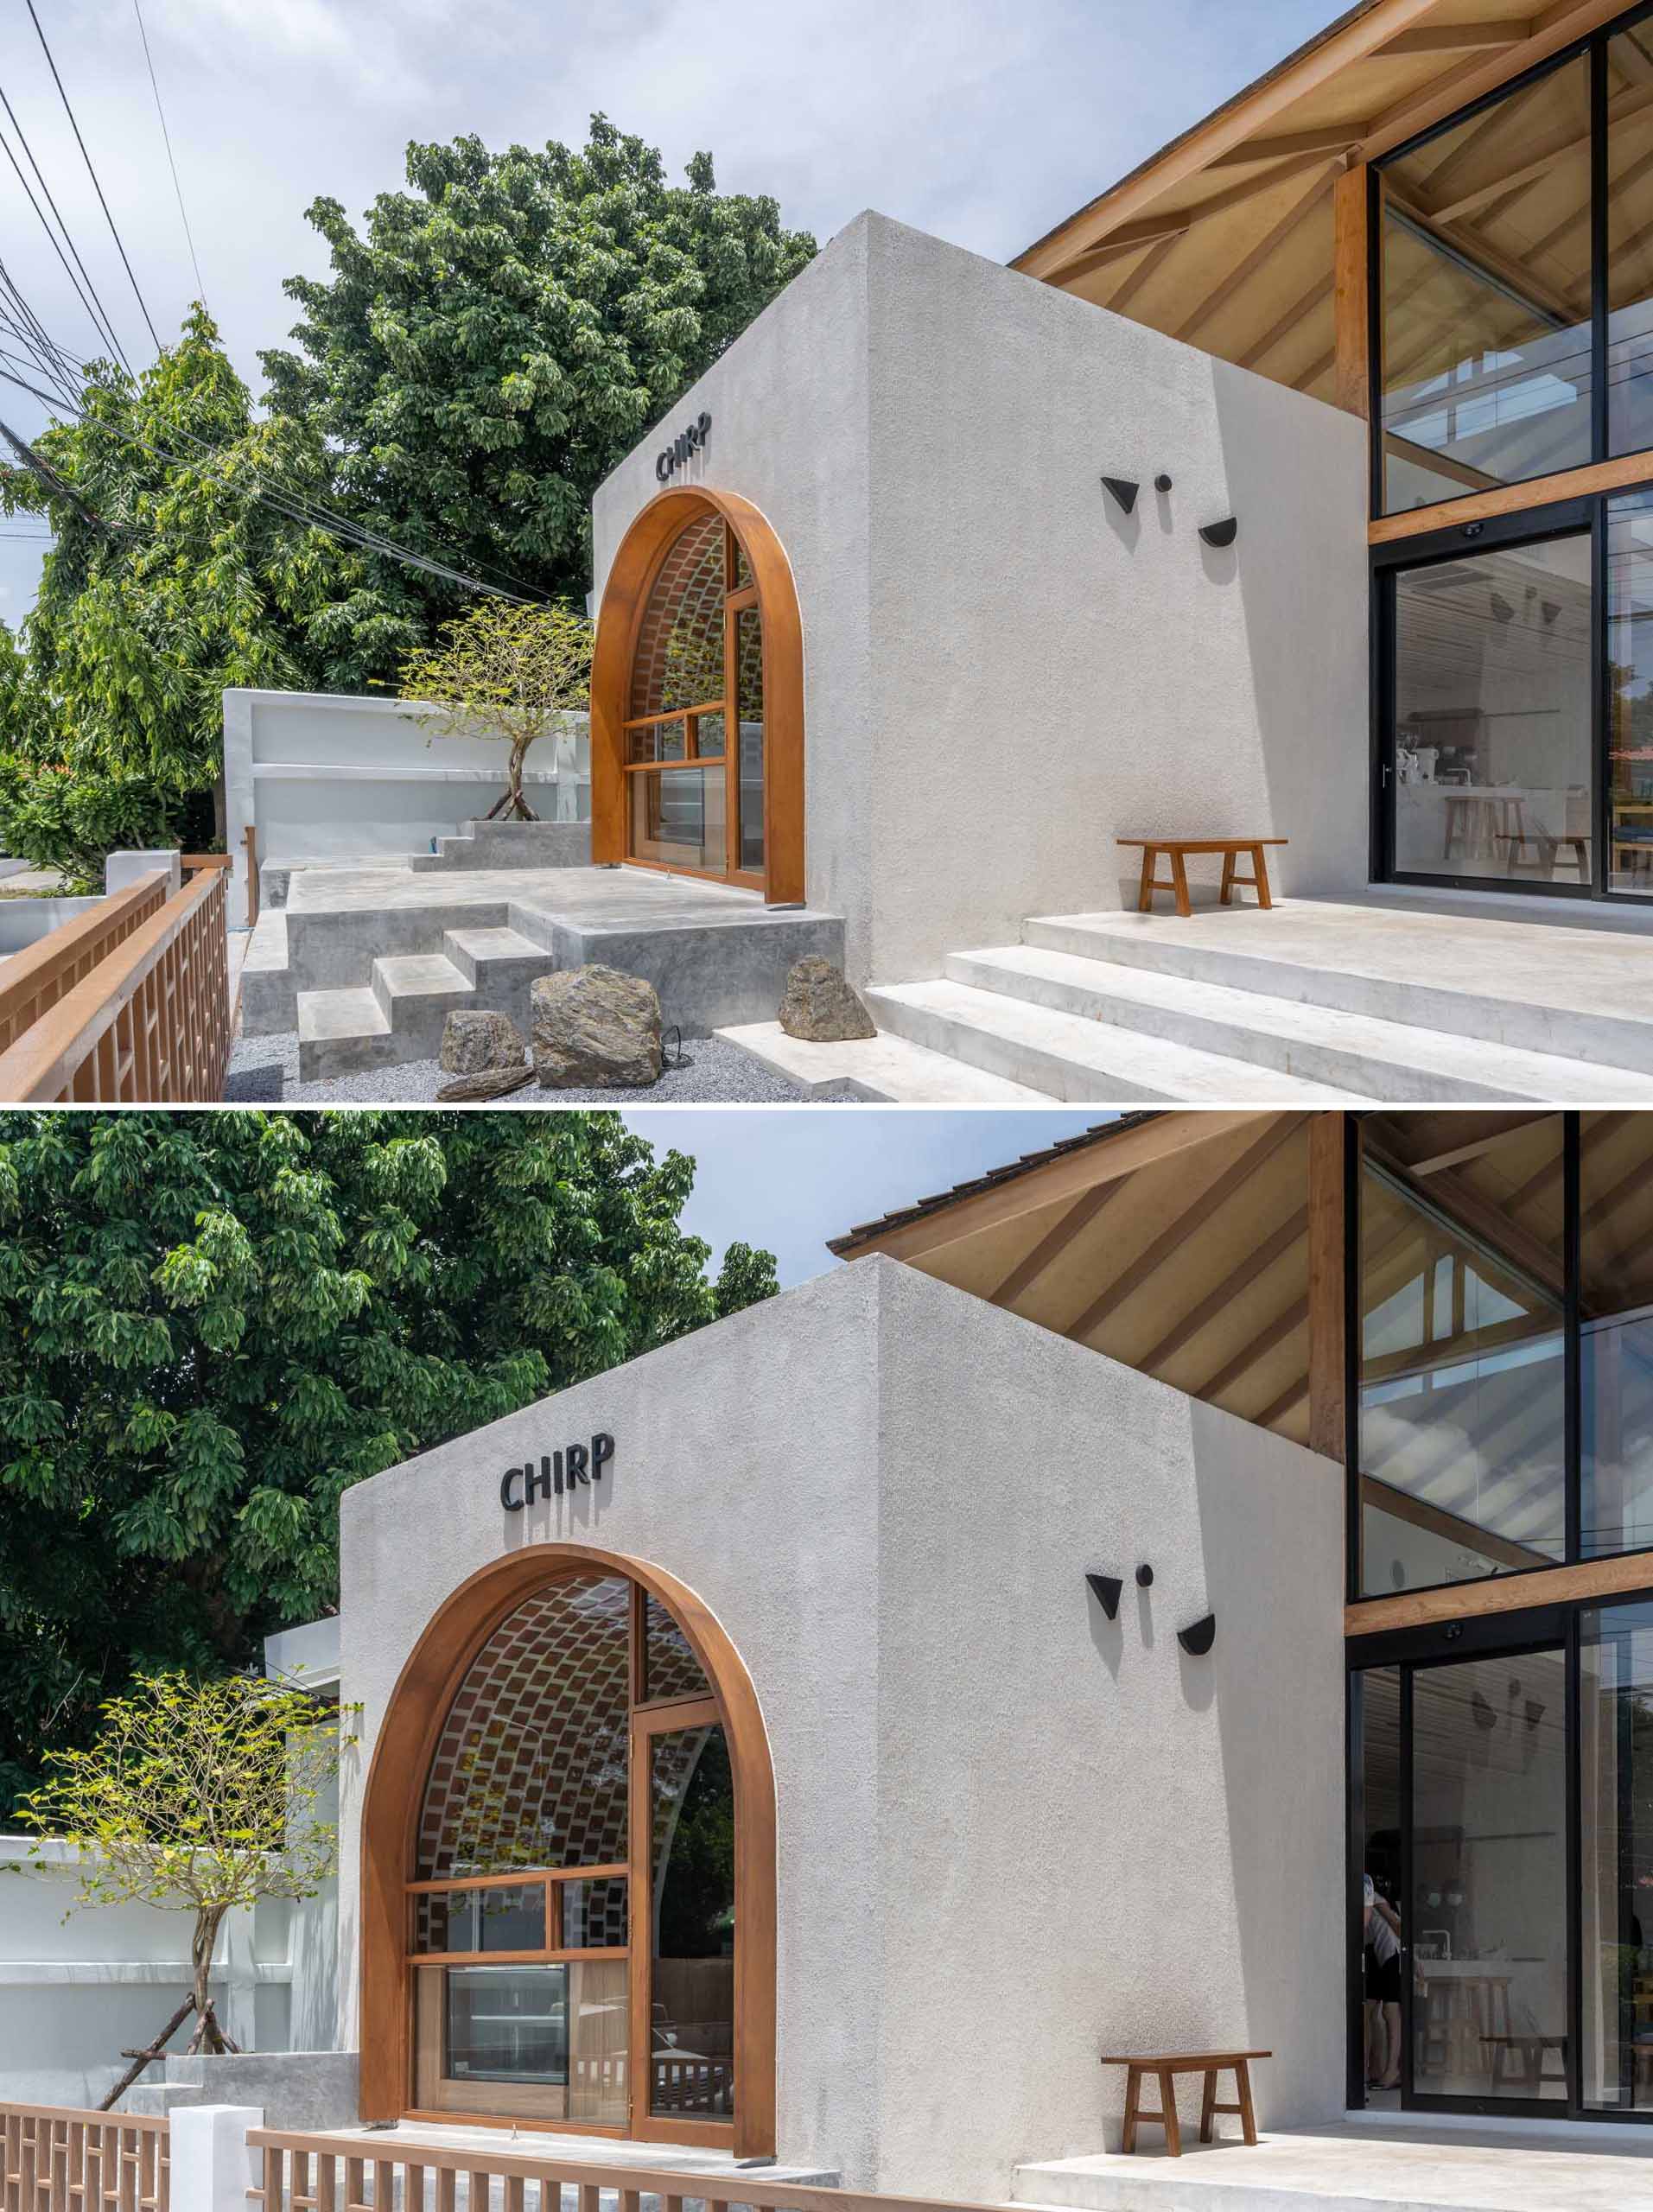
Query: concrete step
1376, 1059
340, 1033
882, 1068
500, 965
1581, 995
510, 844
1071, 1057
418, 992
269, 1004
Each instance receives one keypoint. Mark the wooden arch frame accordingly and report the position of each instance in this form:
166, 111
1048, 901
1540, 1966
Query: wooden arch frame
413, 1721
636, 564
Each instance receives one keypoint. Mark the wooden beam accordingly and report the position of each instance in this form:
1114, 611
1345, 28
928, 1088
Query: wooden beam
1244, 118
1452, 89
1202, 1198
1453, 38
1483, 1132
1121, 298
1496, 269
1166, 1137
1330, 138
1418, 1513
1083, 1212
1501, 1243
1502, 1593
1266, 1340
1318, 293
1217, 1300
1303, 204
1328, 1260
1351, 261
1152, 227
1515, 498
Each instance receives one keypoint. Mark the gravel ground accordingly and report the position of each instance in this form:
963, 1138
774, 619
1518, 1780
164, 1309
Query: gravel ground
263, 1071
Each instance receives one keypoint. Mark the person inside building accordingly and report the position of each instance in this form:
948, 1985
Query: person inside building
1382, 1942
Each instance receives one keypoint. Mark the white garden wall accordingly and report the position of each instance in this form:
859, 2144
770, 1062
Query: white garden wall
79, 1984
329, 777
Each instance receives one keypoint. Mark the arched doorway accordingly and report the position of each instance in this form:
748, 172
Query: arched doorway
697, 698
569, 1864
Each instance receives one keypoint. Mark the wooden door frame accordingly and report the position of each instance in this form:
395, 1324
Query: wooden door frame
637, 563
413, 1718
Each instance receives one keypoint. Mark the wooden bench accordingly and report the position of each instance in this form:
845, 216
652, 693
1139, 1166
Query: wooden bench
1166, 2066
1178, 849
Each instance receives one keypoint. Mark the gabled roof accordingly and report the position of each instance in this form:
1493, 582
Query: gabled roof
1224, 237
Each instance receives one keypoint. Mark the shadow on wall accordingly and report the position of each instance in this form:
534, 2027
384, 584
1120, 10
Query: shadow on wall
1275, 1581
1299, 563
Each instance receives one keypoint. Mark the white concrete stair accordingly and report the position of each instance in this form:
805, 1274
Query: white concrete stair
341, 1033
1077, 1058
418, 991
883, 1068
1360, 1053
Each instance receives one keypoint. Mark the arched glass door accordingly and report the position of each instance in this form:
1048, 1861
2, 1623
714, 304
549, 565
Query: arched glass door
571, 1916
693, 732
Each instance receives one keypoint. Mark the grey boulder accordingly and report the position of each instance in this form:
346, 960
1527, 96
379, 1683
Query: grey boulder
475, 1039
490, 1083
595, 1028
820, 1006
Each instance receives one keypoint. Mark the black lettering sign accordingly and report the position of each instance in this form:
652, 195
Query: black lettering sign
673, 457
557, 1473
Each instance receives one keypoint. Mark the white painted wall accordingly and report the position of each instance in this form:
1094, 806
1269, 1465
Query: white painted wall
1003, 673
77, 1983
332, 778
1010, 1835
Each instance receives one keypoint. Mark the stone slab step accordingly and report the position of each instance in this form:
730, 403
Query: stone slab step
501, 965
418, 991
884, 1068
1069, 1057
1584, 994
1377, 1058
340, 1033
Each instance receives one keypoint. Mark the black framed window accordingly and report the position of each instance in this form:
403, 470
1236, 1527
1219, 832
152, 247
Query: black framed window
1512, 281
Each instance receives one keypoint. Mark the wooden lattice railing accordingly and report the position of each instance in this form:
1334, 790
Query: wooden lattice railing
322, 2173
34, 979
52, 2159
147, 1022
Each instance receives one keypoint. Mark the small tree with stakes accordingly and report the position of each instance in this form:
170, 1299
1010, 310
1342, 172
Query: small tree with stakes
506, 672
201, 1796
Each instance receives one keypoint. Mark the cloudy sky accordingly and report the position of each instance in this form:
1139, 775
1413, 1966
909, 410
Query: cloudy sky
983, 121
787, 1178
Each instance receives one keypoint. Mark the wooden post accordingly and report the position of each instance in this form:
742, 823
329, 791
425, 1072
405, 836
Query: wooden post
1351, 252
1329, 1135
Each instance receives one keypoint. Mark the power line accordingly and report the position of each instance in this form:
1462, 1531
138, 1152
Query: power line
200, 288
92, 173
103, 328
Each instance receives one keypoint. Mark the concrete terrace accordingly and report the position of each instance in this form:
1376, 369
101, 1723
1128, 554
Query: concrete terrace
1367, 2165
366, 961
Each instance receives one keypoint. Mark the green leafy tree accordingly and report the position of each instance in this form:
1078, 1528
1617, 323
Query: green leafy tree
196, 1797
508, 673
180, 567
211, 1324
503, 335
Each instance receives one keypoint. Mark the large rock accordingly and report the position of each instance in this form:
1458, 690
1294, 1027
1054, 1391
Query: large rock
593, 1028
492, 1083
473, 1040
820, 1006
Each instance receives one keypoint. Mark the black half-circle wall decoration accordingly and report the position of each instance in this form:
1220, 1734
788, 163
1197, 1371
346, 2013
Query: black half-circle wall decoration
1199, 1637
1221, 533
1107, 1587
1122, 489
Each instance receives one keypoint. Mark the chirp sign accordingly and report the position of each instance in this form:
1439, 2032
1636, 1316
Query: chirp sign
576, 1466
683, 448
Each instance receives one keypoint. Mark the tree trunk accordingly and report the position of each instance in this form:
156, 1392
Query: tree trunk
519, 810
202, 1946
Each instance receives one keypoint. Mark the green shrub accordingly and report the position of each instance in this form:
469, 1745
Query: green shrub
66, 819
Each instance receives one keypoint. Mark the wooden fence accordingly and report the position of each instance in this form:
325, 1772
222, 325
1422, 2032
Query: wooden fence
146, 1022
52, 2159
317, 2173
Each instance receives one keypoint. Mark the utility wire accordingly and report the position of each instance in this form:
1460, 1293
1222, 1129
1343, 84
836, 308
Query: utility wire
92, 173
104, 327
350, 533
200, 288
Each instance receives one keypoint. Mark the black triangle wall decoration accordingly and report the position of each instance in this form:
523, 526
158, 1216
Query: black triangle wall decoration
1122, 489
1107, 1587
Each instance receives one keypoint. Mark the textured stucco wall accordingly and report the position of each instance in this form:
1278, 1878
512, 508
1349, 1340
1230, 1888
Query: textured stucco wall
1003, 672
1008, 1834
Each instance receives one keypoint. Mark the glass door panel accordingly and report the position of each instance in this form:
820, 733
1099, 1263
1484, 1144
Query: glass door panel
1629, 693
1615, 1856
748, 678
678, 818
691, 1924
1490, 772
1485, 1916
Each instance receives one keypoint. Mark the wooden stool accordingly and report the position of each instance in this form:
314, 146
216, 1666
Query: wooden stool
1165, 2067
